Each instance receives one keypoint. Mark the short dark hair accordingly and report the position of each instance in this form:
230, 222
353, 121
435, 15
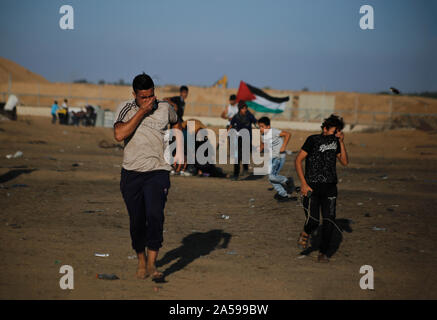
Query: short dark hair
183, 88
56, 102
233, 97
241, 104
264, 120
333, 121
142, 82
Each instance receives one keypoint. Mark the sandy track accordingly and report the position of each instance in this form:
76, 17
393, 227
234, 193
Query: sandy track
65, 213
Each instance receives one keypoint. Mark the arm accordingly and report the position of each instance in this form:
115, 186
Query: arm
298, 164
342, 156
122, 130
174, 105
286, 136
224, 114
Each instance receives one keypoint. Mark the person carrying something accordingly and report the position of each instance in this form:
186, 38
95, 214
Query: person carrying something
319, 183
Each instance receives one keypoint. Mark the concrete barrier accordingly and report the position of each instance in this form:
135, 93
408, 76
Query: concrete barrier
105, 118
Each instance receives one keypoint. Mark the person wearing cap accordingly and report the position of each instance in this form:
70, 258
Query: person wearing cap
242, 122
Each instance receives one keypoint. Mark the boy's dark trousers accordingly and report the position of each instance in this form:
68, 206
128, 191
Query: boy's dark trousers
323, 197
145, 195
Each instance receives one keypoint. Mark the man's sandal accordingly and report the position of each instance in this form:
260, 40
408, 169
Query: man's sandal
155, 274
302, 242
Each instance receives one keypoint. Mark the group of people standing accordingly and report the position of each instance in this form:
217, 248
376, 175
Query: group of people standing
86, 116
145, 176
60, 113
240, 118
319, 181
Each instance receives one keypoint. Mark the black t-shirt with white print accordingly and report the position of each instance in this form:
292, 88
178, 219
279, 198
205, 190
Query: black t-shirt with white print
320, 163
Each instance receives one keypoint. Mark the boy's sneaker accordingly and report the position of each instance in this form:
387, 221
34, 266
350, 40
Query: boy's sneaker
186, 174
172, 172
289, 185
280, 198
288, 197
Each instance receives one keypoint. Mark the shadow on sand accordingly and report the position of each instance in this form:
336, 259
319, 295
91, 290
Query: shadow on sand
193, 246
337, 238
12, 174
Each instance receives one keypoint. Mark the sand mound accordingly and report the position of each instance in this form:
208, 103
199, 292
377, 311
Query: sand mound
18, 73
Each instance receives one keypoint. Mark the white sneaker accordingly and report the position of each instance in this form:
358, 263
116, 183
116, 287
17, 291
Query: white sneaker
172, 172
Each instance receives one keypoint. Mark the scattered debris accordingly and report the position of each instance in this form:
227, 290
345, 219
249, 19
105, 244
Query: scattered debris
17, 154
225, 217
232, 252
19, 185
101, 254
106, 276
359, 203
37, 142
367, 215
93, 211
133, 257
106, 145
379, 229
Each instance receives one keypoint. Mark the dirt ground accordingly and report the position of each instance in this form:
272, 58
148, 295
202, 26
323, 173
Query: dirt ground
61, 204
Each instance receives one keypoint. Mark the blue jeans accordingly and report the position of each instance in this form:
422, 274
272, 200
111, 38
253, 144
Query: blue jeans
275, 179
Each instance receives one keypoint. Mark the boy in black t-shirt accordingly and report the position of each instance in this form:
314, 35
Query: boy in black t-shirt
319, 183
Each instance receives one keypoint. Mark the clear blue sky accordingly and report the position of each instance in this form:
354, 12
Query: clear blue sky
283, 44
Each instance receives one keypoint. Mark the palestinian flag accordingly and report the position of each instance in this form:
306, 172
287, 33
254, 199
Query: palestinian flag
260, 101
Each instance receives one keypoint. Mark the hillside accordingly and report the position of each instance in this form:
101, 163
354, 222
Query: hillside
18, 73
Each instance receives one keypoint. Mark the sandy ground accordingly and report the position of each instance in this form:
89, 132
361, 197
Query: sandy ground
60, 204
